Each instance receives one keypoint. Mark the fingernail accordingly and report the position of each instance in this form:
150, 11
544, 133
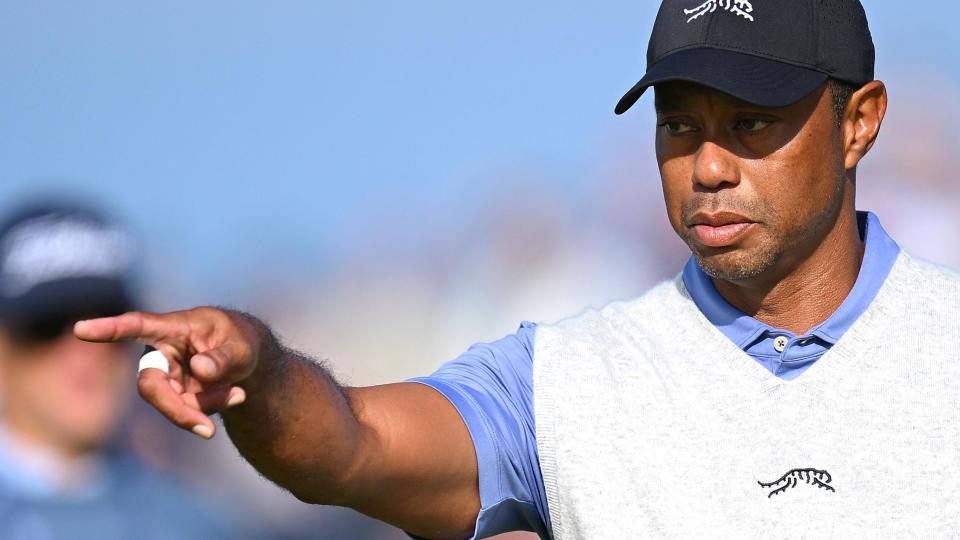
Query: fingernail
237, 396
202, 431
79, 326
203, 366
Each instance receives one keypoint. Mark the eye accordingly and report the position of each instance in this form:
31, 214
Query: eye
677, 127
751, 124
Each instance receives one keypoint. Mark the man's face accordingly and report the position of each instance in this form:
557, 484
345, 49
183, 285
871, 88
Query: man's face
64, 391
749, 189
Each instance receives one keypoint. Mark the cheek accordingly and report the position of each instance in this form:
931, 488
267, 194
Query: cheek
675, 178
805, 176
772, 183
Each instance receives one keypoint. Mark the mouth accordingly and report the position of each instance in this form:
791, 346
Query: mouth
720, 229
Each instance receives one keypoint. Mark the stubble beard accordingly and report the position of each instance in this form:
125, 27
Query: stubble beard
751, 263
746, 266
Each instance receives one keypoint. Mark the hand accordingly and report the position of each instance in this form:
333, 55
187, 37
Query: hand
210, 351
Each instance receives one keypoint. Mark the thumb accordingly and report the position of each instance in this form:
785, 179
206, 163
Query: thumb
226, 363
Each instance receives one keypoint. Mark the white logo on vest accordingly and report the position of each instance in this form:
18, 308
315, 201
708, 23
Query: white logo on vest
742, 8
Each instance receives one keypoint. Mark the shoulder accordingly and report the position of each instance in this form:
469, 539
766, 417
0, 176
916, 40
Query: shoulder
668, 297
639, 324
917, 297
932, 271
134, 479
160, 495
501, 368
511, 353
924, 279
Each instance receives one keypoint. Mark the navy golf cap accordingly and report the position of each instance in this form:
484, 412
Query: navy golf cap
770, 53
61, 261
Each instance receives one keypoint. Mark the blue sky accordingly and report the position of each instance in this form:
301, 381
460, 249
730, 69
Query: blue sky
233, 135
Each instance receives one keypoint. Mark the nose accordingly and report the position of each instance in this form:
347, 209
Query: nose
715, 167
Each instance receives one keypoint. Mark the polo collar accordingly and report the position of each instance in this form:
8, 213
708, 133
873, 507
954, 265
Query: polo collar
880, 253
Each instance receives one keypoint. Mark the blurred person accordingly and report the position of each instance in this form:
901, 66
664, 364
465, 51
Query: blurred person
797, 378
930, 201
62, 474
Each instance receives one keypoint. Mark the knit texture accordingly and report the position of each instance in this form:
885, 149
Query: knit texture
651, 423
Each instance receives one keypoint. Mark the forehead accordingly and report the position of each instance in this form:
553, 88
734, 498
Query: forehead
687, 97
683, 94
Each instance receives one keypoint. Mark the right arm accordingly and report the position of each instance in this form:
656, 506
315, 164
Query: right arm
400, 453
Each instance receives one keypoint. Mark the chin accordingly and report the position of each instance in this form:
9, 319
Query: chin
88, 440
88, 432
736, 264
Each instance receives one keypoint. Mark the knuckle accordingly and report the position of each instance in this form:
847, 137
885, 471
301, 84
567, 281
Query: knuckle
178, 417
141, 317
209, 314
219, 357
213, 407
203, 311
209, 320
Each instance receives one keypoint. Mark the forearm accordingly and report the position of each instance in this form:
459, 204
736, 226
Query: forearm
397, 452
296, 426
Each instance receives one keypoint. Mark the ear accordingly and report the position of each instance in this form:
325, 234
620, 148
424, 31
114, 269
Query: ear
861, 121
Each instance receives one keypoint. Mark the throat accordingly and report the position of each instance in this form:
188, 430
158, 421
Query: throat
803, 296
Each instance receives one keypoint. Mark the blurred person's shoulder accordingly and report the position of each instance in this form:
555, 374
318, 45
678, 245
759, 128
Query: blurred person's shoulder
124, 496
152, 497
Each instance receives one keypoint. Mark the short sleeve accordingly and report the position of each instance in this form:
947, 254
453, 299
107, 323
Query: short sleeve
491, 385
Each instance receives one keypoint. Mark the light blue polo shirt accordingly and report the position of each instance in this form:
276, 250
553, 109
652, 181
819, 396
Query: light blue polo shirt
491, 384
782, 352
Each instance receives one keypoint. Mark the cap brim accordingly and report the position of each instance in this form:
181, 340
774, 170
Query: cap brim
756, 80
87, 296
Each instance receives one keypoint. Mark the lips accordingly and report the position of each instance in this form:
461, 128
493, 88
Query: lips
721, 229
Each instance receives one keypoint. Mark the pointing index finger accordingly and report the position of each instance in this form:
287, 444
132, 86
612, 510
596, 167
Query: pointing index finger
129, 326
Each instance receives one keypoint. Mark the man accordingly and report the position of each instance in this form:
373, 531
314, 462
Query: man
61, 399
798, 378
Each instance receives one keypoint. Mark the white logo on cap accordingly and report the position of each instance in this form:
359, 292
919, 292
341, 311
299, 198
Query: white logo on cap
54, 247
742, 8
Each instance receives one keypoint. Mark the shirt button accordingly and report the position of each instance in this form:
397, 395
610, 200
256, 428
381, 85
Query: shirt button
780, 343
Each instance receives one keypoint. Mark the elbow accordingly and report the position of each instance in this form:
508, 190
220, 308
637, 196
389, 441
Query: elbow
309, 496
318, 491
315, 484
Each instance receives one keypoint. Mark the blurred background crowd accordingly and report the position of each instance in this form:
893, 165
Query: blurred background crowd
384, 183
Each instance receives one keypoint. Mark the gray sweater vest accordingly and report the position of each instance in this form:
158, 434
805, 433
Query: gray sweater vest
651, 423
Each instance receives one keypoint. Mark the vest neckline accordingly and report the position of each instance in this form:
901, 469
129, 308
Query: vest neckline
831, 365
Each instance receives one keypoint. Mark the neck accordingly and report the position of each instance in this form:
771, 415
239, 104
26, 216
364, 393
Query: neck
809, 292
30, 432
51, 467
